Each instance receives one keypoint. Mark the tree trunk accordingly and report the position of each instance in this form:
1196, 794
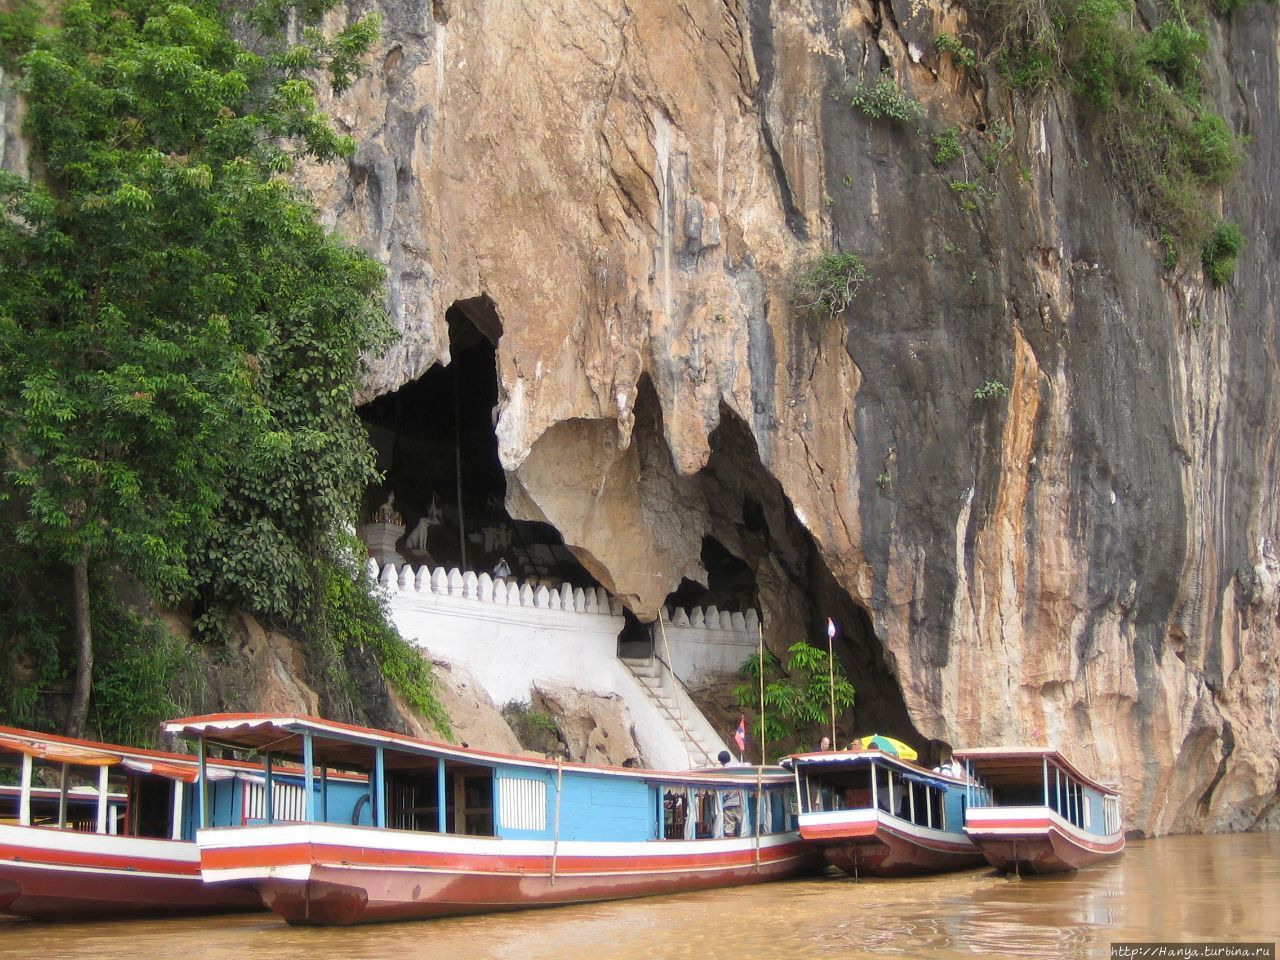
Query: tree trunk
79, 712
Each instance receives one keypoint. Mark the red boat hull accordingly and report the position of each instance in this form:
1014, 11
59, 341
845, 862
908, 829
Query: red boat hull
1038, 843
52, 874
321, 883
869, 845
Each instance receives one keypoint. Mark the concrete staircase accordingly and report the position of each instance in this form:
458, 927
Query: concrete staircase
687, 723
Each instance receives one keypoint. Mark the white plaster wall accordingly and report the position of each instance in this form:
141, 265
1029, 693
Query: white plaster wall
510, 636
706, 644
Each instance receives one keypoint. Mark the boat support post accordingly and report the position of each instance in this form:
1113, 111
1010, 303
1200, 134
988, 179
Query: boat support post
204, 784
101, 825
175, 821
1045, 762
269, 789
379, 768
62, 797
24, 798
441, 806
309, 777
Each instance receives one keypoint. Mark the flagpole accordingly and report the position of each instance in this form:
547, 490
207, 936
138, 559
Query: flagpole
831, 676
760, 661
760, 768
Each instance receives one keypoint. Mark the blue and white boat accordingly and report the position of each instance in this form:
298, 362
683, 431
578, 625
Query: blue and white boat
450, 830
874, 814
1031, 811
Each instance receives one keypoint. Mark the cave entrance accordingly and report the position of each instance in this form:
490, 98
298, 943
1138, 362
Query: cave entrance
758, 554
442, 498
731, 583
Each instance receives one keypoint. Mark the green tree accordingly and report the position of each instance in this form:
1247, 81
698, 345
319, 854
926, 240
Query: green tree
797, 701
178, 336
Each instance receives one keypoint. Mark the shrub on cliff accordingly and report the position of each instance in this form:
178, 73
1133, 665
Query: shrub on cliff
827, 284
179, 337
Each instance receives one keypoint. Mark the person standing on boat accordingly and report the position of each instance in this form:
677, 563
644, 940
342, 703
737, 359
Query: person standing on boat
824, 744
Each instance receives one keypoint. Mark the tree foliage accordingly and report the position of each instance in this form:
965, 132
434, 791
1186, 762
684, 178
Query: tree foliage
797, 700
179, 337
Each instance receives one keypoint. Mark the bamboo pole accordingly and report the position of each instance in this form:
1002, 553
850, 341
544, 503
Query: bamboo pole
675, 695
555, 842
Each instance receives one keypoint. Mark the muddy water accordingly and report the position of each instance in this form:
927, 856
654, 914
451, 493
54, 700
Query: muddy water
1222, 888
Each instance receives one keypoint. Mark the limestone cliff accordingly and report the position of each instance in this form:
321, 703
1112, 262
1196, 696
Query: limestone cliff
1089, 562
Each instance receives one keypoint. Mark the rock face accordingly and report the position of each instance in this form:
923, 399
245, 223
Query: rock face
1089, 561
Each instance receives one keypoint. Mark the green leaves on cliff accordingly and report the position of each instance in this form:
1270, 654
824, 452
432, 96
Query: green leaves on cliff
1142, 92
179, 337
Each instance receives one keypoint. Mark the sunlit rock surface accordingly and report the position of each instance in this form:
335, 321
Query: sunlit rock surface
1087, 562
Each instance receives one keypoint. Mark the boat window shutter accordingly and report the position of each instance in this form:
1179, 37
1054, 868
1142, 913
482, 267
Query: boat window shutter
522, 803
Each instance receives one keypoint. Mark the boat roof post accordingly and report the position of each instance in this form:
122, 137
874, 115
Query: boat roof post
380, 789
1045, 763
62, 797
101, 825
440, 804
204, 783
324, 793
268, 790
175, 821
24, 798
309, 778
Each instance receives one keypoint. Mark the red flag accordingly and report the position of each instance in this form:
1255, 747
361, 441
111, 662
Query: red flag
740, 735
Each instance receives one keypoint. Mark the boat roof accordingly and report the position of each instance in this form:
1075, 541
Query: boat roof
1010, 766
852, 758
79, 752
347, 745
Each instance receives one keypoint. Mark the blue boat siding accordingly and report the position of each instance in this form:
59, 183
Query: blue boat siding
593, 806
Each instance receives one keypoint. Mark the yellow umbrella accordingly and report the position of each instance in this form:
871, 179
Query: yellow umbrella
889, 745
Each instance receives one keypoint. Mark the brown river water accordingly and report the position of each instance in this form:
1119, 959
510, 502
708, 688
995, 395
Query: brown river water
1179, 889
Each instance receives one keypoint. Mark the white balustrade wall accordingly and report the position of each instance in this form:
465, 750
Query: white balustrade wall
511, 634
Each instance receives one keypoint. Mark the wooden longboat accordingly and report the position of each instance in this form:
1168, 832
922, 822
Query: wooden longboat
873, 814
1031, 811
511, 832
114, 838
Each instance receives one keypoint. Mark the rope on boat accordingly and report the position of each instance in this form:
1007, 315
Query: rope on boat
555, 841
675, 694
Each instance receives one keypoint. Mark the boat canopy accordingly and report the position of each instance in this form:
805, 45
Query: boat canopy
1000, 767
351, 747
927, 781
59, 752
832, 760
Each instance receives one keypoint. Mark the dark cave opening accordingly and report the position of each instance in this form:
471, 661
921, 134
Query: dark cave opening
758, 554
438, 453
731, 583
